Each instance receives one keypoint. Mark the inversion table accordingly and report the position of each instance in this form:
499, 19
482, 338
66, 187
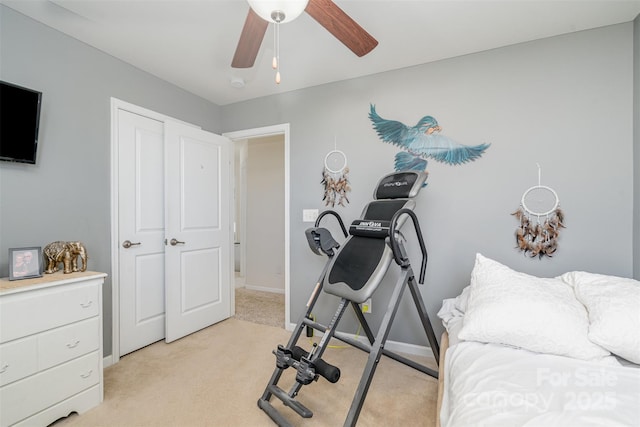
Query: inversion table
353, 272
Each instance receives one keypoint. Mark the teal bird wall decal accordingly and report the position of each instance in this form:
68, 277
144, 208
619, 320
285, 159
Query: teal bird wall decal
422, 141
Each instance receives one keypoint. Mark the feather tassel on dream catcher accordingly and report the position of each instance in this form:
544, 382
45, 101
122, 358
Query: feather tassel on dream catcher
335, 179
540, 221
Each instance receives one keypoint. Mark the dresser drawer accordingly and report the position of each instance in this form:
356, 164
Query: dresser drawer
18, 359
79, 403
30, 312
68, 342
26, 397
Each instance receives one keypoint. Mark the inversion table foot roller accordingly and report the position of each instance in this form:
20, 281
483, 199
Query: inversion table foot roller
353, 272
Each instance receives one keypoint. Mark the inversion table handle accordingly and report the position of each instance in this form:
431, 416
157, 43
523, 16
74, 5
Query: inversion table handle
398, 255
337, 215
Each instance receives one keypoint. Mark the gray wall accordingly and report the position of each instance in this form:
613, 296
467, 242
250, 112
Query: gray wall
564, 102
636, 149
65, 196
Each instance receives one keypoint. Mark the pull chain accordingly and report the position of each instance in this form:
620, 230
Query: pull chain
276, 49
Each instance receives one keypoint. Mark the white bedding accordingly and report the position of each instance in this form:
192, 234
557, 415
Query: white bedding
501, 377
495, 385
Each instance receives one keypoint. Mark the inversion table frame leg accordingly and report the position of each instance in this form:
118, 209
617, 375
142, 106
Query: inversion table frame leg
263, 402
377, 348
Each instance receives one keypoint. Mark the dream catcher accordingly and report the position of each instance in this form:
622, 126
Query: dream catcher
540, 221
335, 179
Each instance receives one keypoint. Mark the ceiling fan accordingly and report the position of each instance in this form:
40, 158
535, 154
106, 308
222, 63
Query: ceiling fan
326, 12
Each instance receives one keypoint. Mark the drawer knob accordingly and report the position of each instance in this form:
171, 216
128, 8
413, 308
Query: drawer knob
4, 368
86, 304
88, 374
74, 345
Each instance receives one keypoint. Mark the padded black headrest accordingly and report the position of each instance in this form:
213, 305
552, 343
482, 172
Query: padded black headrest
400, 185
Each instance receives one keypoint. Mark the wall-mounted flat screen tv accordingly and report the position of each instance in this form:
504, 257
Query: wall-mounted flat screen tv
19, 123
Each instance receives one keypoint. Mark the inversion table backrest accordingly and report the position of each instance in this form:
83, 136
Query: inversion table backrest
362, 262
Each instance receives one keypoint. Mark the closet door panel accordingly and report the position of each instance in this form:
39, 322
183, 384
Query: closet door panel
200, 176
141, 230
200, 268
198, 229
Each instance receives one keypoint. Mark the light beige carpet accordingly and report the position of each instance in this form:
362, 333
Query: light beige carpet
266, 308
215, 377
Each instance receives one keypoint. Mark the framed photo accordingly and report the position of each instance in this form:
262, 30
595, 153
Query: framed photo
25, 263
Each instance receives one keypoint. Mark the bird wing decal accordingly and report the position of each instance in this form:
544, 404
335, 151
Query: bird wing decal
444, 149
390, 131
405, 161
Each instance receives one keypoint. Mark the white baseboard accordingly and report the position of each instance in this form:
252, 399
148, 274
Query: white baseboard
403, 347
107, 361
264, 289
395, 346
239, 281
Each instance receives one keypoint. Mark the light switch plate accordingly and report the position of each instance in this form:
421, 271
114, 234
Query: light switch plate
309, 215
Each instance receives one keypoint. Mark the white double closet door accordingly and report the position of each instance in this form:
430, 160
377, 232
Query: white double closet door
174, 235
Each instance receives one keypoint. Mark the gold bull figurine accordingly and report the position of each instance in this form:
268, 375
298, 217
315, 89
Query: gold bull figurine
66, 253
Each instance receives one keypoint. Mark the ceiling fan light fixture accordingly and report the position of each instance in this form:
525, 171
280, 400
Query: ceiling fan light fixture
284, 10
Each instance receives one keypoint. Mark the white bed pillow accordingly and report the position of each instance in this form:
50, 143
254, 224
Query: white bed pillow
516, 309
452, 314
613, 304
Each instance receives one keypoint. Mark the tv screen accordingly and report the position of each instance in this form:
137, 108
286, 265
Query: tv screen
19, 122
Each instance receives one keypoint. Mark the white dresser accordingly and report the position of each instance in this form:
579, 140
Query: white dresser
50, 347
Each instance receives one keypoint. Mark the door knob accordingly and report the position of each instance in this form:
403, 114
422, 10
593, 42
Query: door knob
175, 242
127, 244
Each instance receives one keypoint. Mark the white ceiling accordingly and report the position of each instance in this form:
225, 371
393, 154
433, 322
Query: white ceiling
190, 43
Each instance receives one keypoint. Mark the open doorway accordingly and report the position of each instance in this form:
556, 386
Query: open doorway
261, 225
259, 230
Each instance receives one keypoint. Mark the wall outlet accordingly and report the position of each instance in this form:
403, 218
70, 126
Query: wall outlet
366, 306
309, 215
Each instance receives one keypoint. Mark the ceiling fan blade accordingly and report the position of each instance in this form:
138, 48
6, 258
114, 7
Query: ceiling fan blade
250, 41
338, 23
